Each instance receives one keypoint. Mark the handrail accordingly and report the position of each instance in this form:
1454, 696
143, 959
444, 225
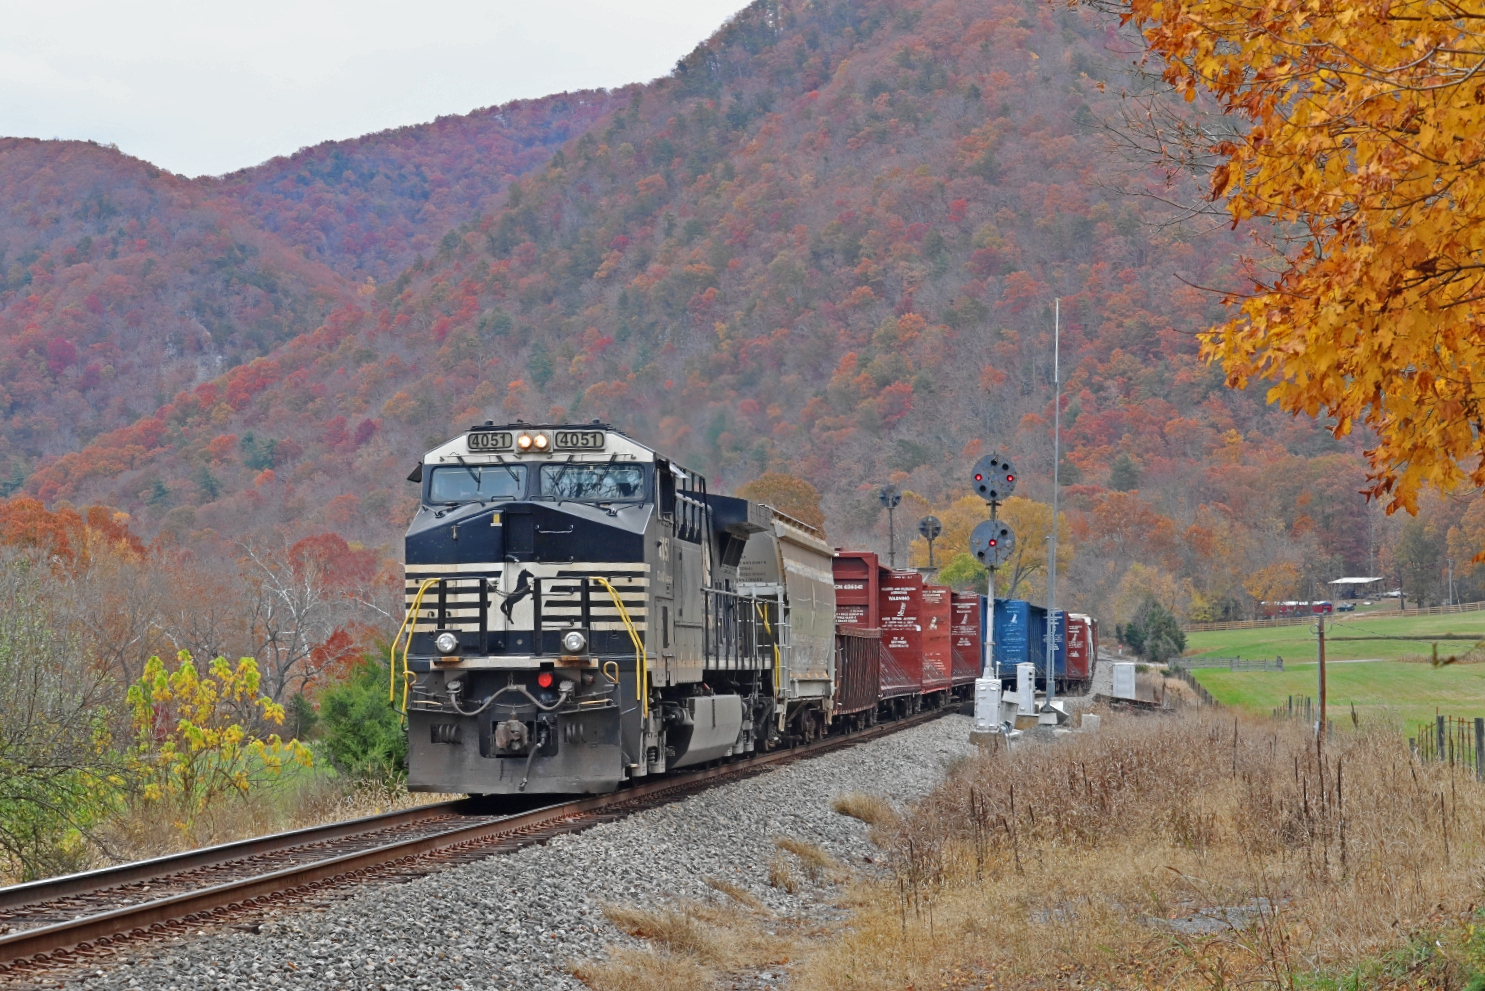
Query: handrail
410, 616
641, 665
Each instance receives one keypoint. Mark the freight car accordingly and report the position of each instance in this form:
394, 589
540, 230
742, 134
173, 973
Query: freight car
1021, 638
583, 612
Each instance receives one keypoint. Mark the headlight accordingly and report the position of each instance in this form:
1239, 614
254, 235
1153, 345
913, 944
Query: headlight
524, 442
574, 642
540, 442
446, 643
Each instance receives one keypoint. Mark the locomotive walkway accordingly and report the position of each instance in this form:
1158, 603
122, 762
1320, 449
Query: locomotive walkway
65, 922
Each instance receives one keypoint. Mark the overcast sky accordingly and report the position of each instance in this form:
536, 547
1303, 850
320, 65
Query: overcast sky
203, 87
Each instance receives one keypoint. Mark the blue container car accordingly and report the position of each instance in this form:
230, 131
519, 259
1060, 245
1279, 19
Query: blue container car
1021, 637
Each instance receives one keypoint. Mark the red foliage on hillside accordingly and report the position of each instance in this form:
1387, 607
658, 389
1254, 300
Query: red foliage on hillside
370, 205
828, 244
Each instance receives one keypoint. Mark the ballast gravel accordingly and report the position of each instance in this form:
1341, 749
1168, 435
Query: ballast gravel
519, 921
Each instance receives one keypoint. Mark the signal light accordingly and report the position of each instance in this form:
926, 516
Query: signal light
544, 679
994, 479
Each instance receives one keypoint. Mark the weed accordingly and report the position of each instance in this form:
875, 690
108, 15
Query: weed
874, 810
736, 893
812, 858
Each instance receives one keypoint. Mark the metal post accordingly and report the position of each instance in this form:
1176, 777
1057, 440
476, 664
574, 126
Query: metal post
891, 540
1321, 639
1479, 749
990, 628
1056, 484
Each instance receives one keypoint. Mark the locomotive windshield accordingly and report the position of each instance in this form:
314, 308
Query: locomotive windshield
593, 483
477, 483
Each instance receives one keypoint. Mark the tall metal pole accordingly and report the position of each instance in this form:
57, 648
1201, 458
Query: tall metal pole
891, 540
1056, 484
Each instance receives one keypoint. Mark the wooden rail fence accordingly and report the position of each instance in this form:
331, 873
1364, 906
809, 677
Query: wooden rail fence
1262, 624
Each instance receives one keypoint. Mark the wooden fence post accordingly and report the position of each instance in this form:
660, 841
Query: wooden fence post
1443, 744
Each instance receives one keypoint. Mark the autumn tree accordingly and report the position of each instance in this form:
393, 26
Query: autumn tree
1277, 582
787, 493
1365, 141
1419, 555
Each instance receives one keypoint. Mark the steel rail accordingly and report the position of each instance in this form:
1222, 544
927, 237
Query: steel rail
48, 889
138, 919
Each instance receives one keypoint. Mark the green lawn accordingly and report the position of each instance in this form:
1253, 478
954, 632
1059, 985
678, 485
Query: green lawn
1294, 643
1405, 692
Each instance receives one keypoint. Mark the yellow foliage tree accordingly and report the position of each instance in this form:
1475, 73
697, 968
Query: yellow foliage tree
191, 747
1032, 523
1366, 137
1278, 582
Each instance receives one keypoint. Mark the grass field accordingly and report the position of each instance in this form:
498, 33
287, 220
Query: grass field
1397, 690
1298, 642
1407, 692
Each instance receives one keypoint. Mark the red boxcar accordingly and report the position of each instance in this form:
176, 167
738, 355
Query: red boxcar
938, 649
900, 599
965, 628
856, 603
859, 597
1080, 657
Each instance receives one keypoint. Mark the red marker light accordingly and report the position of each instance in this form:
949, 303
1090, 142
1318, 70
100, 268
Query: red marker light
993, 543
979, 478
1010, 478
544, 679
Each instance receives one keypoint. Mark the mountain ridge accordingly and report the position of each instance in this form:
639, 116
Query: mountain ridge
827, 244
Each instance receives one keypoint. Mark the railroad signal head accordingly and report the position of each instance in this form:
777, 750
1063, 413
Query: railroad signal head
891, 496
992, 543
994, 478
930, 527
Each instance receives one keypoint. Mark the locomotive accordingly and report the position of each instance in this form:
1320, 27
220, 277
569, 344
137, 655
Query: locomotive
582, 613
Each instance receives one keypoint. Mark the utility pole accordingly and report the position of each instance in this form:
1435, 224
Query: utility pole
1052, 623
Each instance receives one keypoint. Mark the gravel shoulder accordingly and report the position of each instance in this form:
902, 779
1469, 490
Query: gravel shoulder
520, 920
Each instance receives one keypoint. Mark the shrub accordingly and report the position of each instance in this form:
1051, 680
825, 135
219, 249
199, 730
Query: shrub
1154, 633
191, 745
362, 733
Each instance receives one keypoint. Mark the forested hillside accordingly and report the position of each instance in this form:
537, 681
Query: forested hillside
371, 205
827, 244
121, 285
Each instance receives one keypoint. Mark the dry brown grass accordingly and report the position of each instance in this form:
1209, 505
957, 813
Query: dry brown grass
644, 969
782, 875
874, 810
152, 829
737, 893
813, 858
1095, 861
692, 946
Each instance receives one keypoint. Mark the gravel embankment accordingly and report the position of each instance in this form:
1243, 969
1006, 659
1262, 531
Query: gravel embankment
518, 921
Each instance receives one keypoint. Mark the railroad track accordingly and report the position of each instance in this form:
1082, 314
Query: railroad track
65, 921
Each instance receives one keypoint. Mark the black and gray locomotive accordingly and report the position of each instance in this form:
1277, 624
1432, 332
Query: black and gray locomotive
582, 613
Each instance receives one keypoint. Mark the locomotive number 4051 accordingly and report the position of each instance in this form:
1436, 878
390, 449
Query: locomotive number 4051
490, 440
578, 440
